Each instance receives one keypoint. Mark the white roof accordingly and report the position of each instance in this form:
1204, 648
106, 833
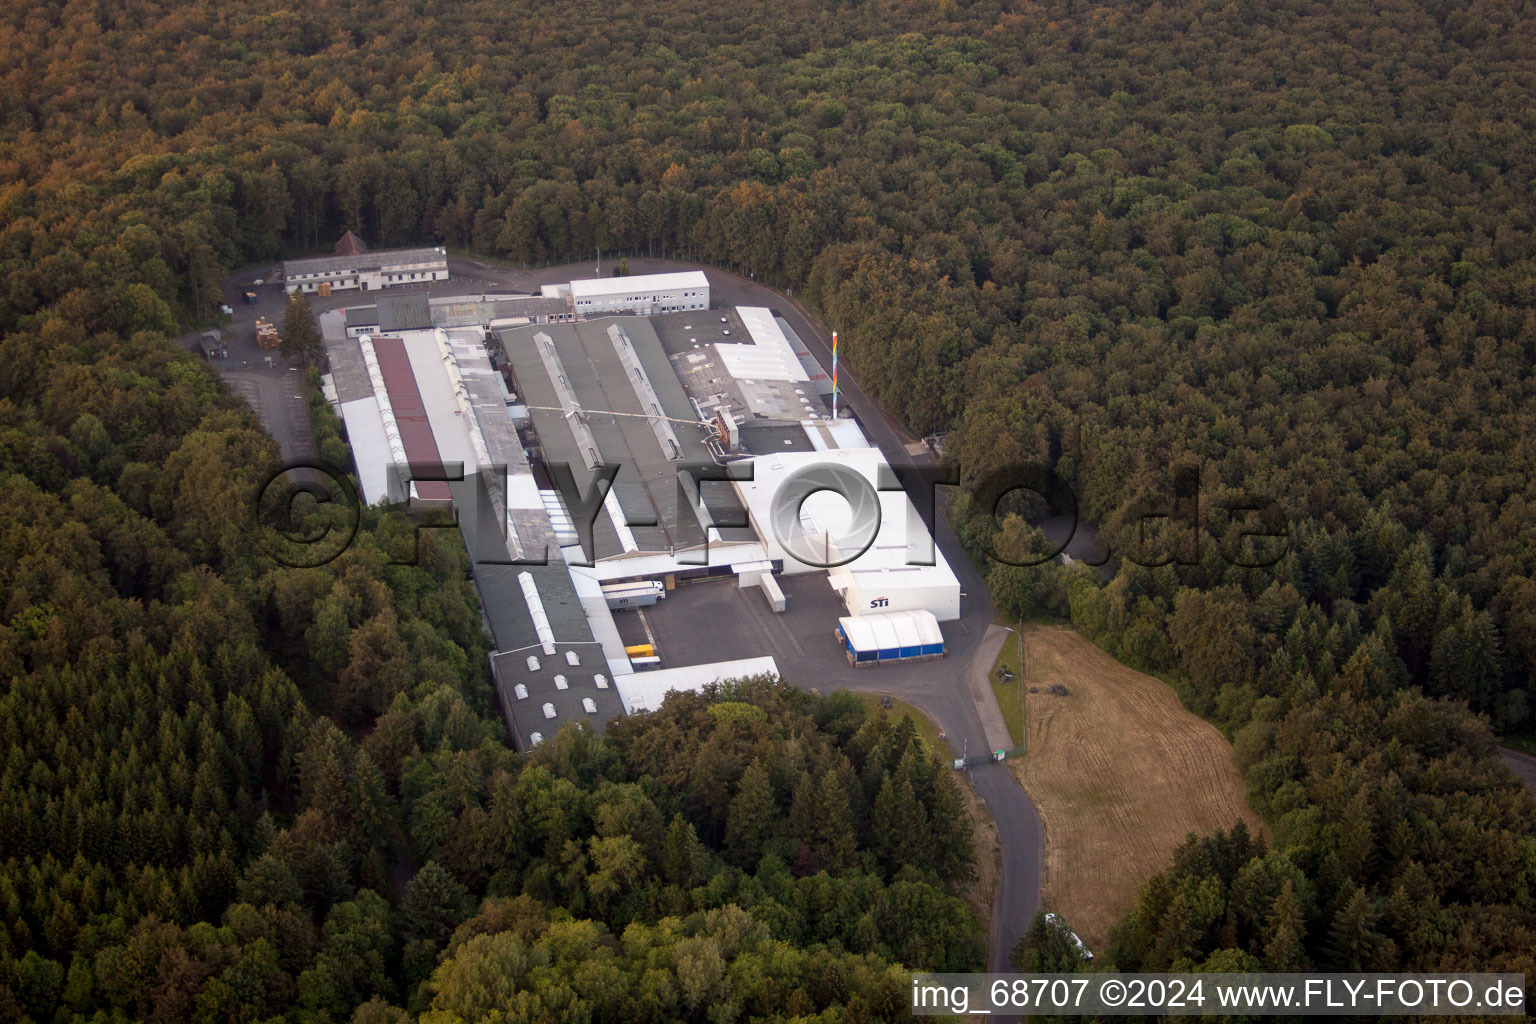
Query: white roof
885, 631
769, 357
370, 447
843, 432
623, 567
594, 286
644, 691
589, 592
901, 536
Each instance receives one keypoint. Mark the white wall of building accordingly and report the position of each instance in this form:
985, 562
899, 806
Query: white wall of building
648, 293
382, 273
882, 571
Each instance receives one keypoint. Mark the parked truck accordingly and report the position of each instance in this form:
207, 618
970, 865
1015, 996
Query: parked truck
266, 334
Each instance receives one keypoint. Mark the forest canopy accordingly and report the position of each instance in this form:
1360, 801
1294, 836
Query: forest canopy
1290, 244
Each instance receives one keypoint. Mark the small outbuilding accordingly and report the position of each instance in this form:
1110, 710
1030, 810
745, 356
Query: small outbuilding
890, 636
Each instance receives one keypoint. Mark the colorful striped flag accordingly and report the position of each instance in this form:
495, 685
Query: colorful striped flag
834, 375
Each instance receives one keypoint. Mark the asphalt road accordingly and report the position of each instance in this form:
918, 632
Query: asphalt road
956, 692
277, 395
1523, 765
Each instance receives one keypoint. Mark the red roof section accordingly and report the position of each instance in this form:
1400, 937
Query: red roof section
410, 416
350, 245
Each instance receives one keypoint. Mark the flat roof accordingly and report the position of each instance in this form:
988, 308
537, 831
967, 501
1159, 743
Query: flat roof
723, 369
584, 395
771, 439
362, 316
899, 535
594, 286
843, 432
404, 312
550, 635
483, 312
769, 356
410, 413
645, 691
370, 447
347, 368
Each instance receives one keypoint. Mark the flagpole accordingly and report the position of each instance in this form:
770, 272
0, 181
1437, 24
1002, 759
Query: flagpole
834, 375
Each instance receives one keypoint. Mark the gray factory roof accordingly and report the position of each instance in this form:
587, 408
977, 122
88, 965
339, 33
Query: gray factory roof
348, 371
537, 706
763, 439
409, 312
689, 339
584, 369
480, 314
512, 624
368, 260
362, 316
553, 620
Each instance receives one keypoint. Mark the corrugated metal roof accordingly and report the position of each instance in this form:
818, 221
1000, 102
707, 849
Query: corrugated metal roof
596, 376
404, 312
410, 413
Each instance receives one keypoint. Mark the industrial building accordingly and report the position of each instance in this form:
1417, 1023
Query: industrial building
486, 312
473, 404
549, 668
879, 556
645, 691
600, 393
354, 266
646, 295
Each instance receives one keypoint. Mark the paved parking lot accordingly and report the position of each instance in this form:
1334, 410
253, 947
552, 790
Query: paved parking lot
739, 624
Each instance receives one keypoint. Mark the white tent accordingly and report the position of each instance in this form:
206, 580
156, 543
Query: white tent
891, 636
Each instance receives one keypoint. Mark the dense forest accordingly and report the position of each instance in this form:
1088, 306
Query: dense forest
233, 791
1289, 244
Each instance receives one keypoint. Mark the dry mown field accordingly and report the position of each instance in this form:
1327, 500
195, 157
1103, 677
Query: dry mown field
1120, 772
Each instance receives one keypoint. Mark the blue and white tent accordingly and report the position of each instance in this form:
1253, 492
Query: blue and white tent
890, 636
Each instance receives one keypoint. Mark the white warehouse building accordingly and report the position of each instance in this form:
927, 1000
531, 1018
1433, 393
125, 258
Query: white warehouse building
648, 294
890, 574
